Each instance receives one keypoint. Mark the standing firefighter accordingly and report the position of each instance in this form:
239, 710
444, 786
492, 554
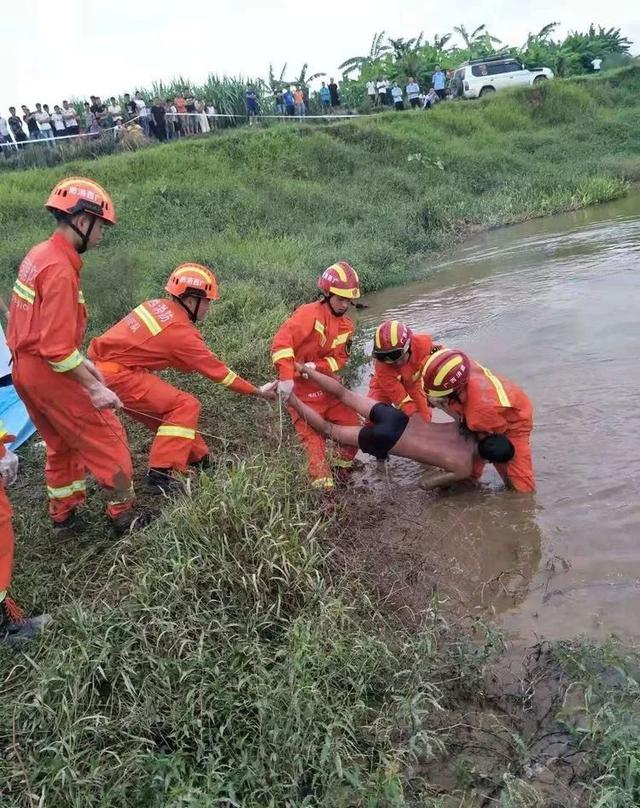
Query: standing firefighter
13, 623
319, 334
161, 334
486, 404
400, 357
63, 392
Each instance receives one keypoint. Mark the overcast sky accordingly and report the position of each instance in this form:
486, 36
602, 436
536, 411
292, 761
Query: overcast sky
54, 50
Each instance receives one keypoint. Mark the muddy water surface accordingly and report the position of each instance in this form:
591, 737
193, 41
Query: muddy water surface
553, 304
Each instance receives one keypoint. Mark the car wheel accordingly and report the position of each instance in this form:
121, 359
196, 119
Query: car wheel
487, 91
538, 79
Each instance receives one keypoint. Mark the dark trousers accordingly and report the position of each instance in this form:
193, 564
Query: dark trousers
442, 94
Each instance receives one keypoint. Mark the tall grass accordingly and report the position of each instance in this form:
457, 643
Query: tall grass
231, 670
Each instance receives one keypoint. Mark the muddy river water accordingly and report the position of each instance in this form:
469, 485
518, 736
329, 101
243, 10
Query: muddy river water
553, 304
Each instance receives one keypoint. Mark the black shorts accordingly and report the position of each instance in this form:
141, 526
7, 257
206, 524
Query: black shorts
385, 430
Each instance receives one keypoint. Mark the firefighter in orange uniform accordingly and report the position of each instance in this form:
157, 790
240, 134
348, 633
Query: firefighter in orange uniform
319, 334
14, 625
160, 334
400, 356
486, 404
65, 395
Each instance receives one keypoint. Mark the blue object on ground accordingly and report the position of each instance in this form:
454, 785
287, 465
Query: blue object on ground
15, 417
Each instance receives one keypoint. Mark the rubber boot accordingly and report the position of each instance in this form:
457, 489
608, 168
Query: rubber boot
202, 464
131, 520
74, 525
15, 626
162, 481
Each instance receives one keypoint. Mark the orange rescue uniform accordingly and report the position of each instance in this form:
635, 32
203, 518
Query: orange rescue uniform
6, 528
314, 333
402, 385
47, 324
156, 335
496, 405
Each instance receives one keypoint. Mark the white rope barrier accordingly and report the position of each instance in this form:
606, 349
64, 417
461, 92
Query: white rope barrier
16, 145
48, 141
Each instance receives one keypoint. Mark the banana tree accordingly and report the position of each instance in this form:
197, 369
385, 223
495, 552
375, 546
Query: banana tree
377, 50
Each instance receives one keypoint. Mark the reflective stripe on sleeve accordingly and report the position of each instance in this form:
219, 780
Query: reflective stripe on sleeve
176, 432
148, 319
229, 378
65, 365
283, 353
23, 291
335, 367
65, 491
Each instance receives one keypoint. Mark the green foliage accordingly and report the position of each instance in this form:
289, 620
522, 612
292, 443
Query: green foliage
216, 656
401, 58
602, 711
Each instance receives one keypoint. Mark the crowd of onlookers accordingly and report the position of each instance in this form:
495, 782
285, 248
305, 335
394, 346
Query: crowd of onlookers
185, 114
382, 92
164, 119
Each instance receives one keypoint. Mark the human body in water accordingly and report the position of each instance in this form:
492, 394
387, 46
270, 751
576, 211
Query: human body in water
390, 431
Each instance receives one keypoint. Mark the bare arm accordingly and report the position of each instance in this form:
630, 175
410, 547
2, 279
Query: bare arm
343, 434
360, 404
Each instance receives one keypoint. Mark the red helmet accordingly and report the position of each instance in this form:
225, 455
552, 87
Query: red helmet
340, 279
80, 195
193, 279
391, 340
444, 371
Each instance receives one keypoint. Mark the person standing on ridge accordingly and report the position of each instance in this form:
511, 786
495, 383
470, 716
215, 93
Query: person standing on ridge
439, 80
160, 334
487, 405
14, 625
333, 92
399, 361
64, 393
319, 334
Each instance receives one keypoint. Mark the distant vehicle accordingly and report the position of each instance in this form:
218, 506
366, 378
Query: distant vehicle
479, 77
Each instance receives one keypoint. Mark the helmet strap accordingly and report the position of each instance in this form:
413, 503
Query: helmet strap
193, 315
84, 237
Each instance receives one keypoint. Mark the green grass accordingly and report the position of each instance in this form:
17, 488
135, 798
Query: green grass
222, 655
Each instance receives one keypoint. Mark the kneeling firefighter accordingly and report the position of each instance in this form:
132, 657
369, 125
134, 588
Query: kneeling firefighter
160, 334
319, 335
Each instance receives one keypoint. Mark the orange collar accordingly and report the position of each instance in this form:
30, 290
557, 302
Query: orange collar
58, 241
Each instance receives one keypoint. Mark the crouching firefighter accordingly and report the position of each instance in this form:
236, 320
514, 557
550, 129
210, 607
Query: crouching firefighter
160, 334
489, 405
399, 360
319, 335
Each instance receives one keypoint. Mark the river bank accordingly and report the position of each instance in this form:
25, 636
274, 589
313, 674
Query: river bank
222, 654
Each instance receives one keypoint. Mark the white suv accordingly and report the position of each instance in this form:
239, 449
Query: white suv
482, 76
